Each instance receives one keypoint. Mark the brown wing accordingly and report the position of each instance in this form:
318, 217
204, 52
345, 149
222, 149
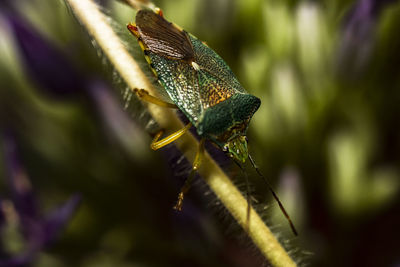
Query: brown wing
162, 37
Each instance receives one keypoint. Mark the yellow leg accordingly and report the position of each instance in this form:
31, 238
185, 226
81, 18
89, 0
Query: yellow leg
248, 198
169, 139
144, 95
188, 182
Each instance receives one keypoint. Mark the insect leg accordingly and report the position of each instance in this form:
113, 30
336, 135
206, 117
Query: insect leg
188, 182
144, 95
157, 144
248, 196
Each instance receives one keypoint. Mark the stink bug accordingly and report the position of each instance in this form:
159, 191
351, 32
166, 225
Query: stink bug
201, 85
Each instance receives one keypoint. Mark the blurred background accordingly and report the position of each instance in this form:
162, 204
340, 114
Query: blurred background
79, 185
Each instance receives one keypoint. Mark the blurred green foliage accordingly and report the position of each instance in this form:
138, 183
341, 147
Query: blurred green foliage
327, 135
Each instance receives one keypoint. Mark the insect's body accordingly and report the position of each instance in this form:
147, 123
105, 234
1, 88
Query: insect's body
198, 81
201, 85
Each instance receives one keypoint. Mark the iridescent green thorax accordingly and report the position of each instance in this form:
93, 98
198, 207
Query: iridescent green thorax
228, 118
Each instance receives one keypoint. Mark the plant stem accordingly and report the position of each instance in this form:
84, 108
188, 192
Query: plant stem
89, 15
137, 4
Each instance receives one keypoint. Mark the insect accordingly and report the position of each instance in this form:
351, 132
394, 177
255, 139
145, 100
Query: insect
201, 85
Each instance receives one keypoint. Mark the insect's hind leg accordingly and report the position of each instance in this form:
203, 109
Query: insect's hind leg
157, 144
196, 164
145, 96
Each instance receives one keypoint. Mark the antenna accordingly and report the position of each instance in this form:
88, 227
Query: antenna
274, 195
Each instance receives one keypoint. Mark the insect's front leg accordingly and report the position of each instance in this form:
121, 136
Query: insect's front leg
157, 144
145, 96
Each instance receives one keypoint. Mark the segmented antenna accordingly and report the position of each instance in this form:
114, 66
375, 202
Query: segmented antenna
274, 195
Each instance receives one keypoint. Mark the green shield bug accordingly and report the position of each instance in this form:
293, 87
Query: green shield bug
201, 85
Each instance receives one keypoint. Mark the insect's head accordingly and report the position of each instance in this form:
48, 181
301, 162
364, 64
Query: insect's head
237, 148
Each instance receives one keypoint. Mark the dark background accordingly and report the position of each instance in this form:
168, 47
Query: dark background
327, 136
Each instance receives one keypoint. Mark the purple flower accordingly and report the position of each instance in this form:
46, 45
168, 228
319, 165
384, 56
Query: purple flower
57, 76
128, 133
47, 65
358, 36
38, 230
1, 216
